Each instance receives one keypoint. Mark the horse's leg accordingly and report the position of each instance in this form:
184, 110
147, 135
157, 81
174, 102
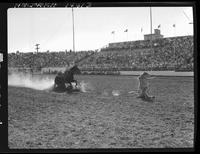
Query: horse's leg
55, 83
69, 85
75, 82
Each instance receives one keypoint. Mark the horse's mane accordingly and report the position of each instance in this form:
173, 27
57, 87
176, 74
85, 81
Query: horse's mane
67, 71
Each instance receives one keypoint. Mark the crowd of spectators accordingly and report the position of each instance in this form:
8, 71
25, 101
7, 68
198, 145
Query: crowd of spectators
161, 54
45, 59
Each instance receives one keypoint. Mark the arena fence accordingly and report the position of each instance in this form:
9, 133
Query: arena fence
158, 73
54, 70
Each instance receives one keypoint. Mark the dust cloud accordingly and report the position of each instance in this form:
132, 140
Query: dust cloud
40, 82
29, 81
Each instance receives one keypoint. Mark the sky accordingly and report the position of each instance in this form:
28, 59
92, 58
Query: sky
52, 27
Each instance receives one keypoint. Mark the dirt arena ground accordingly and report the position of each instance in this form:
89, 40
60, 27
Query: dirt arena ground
40, 119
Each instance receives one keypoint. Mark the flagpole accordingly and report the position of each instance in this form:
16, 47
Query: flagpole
113, 37
113, 33
73, 29
151, 38
150, 21
174, 48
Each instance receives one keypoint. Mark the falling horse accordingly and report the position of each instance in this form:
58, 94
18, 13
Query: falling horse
66, 78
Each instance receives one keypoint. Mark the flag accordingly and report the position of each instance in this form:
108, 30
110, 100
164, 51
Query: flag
174, 25
112, 32
159, 26
126, 30
141, 29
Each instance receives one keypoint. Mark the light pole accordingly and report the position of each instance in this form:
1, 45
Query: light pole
37, 47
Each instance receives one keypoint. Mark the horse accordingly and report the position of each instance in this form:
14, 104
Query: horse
66, 78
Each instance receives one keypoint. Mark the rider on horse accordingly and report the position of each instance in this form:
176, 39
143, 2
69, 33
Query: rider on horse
66, 78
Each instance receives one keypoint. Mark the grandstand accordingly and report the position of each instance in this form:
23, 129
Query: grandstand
164, 54
174, 53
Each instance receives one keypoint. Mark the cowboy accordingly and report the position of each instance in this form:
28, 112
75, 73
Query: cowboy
144, 86
63, 81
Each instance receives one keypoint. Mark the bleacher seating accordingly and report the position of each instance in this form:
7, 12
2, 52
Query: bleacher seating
161, 54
